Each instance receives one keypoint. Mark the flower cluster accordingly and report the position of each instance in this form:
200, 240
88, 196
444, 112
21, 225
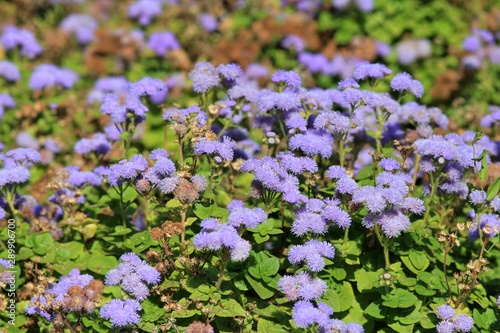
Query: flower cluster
450, 322
48, 75
133, 274
481, 45
13, 37
215, 235
80, 25
73, 293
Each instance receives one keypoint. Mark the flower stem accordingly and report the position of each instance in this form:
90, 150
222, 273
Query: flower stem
222, 268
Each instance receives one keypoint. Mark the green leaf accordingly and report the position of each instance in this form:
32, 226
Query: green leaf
484, 319
43, 240
493, 189
203, 212
419, 260
260, 239
376, 311
423, 290
230, 308
152, 312
263, 291
267, 326
367, 281
269, 267
120, 231
129, 194
401, 328
101, 264
411, 315
400, 298
25, 253
340, 298
483, 173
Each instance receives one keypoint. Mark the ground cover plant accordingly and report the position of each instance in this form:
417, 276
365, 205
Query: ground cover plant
249, 166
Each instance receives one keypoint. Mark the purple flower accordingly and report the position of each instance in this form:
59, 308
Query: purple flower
445, 327
471, 43
24, 156
414, 205
403, 82
312, 252
389, 164
126, 170
215, 235
313, 142
219, 150
163, 42
133, 273
302, 286
291, 79
293, 41
13, 37
393, 223
297, 165
16, 175
477, 197
490, 226
81, 25
121, 313
348, 83
6, 102
48, 75
495, 204
205, 76
9, 71
445, 312
230, 72
98, 143
208, 22
371, 71
336, 172
248, 217
305, 314
463, 323
192, 113
144, 10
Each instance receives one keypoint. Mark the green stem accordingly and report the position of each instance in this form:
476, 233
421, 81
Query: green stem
341, 152
226, 126
383, 242
433, 181
346, 235
222, 268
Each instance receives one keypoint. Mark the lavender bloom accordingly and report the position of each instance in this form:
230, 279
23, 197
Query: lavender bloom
297, 165
6, 102
133, 273
336, 172
313, 142
293, 42
204, 76
393, 223
371, 71
190, 114
449, 148
98, 143
13, 37
9, 71
348, 83
81, 25
208, 22
79, 178
116, 85
163, 42
291, 79
48, 75
312, 252
490, 226
471, 43
305, 314
334, 121
411, 50
219, 150
493, 119
215, 235
15, 175
445, 312
240, 215
126, 170
495, 204
403, 82
121, 313
414, 205
389, 164
477, 197
463, 323
302, 286
144, 10
24, 156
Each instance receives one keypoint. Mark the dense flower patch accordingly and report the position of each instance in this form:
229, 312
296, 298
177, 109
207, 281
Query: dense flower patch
238, 167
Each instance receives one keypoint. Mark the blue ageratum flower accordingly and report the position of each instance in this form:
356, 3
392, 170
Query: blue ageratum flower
121, 312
